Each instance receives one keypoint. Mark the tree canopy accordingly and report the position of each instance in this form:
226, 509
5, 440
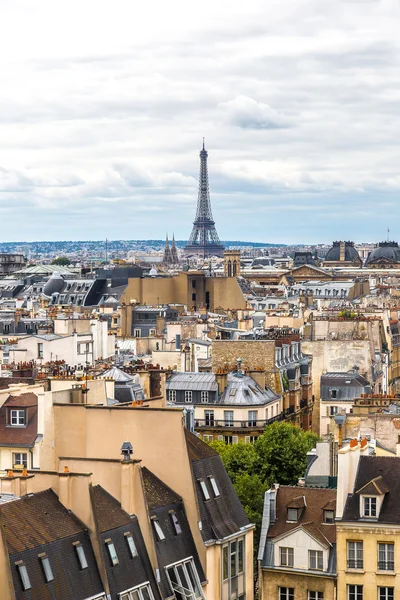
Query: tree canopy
279, 455
63, 261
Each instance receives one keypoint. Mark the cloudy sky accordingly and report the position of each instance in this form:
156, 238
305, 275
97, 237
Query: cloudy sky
103, 106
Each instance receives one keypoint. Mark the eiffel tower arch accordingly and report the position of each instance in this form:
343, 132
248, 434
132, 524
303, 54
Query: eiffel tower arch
204, 240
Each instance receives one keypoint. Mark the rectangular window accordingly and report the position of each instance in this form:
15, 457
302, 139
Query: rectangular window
141, 592
20, 459
184, 580
188, 396
234, 562
369, 506
204, 489
209, 418
48, 573
176, 524
80, 553
23, 574
329, 517
286, 593
252, 418
137, 333
316, 559
386, 557
172, 395
228, 417
315, 595
40, 350
214, 487
17, 417
240, 556
385, 593
355, 555
354, 592
204, 397
333, 410
292, 514
333, 393
193, 297
208, 438
131, 544
225, 569
158, 530
112, 552
287, 557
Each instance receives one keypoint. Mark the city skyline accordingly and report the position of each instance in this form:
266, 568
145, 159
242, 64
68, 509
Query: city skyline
298, 105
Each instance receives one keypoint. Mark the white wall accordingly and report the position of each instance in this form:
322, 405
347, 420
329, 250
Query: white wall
302, 542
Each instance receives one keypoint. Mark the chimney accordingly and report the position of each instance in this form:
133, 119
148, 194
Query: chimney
76, 394
348, 459
342, 247
258, 376
178, 341
127, 481
222, 381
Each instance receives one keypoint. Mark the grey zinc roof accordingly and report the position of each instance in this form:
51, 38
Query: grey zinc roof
344, 379
243, 390
193, 381
118, 375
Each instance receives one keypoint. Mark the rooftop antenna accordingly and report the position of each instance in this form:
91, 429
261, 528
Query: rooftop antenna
388, 233
203, 144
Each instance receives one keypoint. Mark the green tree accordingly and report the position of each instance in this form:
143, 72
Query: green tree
62, 261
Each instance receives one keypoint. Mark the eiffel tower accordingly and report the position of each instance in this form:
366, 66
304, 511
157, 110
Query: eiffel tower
204, 240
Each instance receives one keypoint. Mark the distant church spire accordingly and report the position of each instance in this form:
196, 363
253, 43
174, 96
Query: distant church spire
174, 252
167, 251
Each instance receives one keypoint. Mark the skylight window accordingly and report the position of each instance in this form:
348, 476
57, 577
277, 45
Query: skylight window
23, 573
112, 552
214, 487
80, 553
131, 544
204, 489
48, 573
176, 524
158, 530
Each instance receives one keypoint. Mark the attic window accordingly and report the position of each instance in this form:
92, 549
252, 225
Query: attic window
112, 552
204, 489
48, 573
23, 573
176, 524
80, 553
329, 517
292, 514
214, 487
17, 417
131, 544
369, 506
158, 530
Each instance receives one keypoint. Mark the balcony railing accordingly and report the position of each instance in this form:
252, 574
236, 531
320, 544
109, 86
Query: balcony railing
385, 565
248, 424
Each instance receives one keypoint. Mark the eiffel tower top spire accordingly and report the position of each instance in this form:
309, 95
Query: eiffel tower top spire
204, 240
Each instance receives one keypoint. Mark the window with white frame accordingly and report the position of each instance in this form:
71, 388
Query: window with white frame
286, 593
315, 595
228, 418
158, 530
204, 396
292, 514
40, 350
354, 592
131, 544
23, 574
369, 505
140, 592
20, 460
47, 571
17, 417
385, 557
355, 555
112, 552
208, 438
80, 553
316, 559
172, 395
385, 593
209, 418
184, 580
252, 418
329, 517
204, 489
188, 395
233, 569
333, 410
214, 487
287, 556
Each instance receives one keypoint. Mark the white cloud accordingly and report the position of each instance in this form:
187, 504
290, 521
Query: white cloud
249, 114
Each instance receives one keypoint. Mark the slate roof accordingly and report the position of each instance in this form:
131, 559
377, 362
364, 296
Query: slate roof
192, 381
221, 516
316, 501
244, 390
35, 520
157, 492
370, 468
19, 436
108, 511
344, 380
375, 486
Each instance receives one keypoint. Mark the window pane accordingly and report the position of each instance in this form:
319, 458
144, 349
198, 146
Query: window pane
48, 573
112, 553
176, 524
132, 547
145, 593
81, 556
204, 490
233, 559
23, 573
159, 531
183, 577
240, 549
225, 562
214, 487
191, 570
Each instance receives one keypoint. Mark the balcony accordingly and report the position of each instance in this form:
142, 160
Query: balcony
247, 425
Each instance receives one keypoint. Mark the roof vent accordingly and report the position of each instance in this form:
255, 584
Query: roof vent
126, 450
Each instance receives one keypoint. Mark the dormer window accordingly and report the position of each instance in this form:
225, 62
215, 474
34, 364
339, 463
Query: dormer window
369, 504
23, 573
329, 517
17, 417
292, 514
